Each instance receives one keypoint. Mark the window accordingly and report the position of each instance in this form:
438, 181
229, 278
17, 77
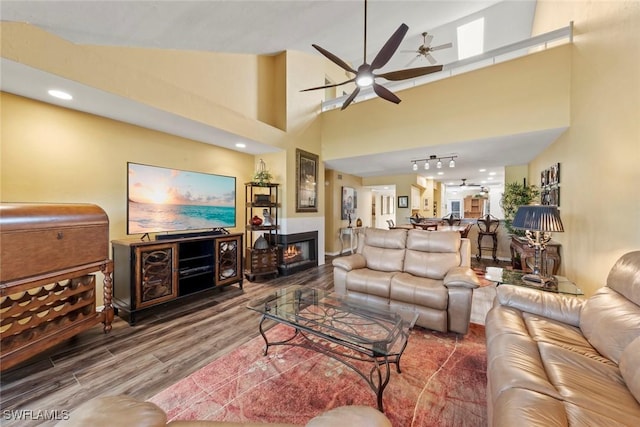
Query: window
471, 39
455, 207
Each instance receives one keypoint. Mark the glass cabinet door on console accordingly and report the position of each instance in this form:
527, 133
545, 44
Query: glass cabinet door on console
157, 270
229, 260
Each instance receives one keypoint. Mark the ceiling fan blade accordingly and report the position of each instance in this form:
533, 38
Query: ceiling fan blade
410, 73
327, 86
334, 59
389, 47
410, 51
385, 93
430, 58
350, 98
428, 39
413, 60
442, 46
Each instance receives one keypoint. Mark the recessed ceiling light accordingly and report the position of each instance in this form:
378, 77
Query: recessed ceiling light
482, 170
492, 173
241, 145
490, 178
440, 173
430, 177
450, 183
483, 182
60, 94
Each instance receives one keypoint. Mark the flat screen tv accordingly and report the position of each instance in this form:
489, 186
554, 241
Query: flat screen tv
162, 200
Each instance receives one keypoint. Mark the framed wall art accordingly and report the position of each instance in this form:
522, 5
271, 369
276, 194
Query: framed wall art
550, 185
349, 202
403, 202
306, 181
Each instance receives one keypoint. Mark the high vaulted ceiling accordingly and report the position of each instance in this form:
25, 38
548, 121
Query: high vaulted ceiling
266, 27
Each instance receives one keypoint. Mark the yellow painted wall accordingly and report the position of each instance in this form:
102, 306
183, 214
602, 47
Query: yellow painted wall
521, 95
56, 155
126, 72
517, 173
599, 154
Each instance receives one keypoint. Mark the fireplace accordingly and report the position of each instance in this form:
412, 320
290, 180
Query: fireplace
297, 252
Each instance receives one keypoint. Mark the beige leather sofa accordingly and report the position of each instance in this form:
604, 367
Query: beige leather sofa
125, 411
426, 271
555, 360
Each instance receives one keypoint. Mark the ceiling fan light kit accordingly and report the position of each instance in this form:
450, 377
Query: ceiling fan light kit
365, 76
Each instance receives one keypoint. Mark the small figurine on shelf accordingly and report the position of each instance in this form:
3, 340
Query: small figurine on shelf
256, 220
267, 217
349, 218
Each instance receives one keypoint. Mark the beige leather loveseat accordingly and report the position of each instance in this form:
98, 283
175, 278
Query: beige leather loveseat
126, 411
428, 271
555, 360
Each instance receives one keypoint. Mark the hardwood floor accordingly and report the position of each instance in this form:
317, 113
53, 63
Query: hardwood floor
165, 346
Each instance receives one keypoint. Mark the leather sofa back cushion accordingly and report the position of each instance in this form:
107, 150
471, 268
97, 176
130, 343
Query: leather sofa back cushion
390, 239
610, 322
384, 249
432, 265
630, 367
624, 277
382, 259
432, 254
429, 241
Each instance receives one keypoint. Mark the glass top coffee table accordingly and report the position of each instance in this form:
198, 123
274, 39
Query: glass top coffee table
510, 277
349, 331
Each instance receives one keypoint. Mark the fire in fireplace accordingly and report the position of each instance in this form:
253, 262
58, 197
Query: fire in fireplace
297, 252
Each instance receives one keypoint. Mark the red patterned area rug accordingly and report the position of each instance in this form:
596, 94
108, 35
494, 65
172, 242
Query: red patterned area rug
443, 383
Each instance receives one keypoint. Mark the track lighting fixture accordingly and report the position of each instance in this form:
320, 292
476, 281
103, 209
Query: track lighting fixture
438, 160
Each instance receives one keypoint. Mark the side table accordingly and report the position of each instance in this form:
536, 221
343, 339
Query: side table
352, 232
509, 277
551, 254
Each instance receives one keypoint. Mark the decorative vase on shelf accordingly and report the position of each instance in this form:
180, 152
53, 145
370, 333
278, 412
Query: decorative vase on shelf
261, 243
256, 220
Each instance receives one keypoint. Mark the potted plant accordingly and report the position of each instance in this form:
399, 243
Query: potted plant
262, 175
515, 195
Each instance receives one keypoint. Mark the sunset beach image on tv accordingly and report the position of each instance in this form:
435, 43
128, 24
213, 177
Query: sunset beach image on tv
162, 199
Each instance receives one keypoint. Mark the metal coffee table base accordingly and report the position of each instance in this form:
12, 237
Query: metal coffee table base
377, 377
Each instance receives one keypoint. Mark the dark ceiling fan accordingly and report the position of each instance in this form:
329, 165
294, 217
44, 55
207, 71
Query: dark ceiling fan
365, 76
464, 184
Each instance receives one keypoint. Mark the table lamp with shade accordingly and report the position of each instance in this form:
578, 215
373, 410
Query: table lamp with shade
538, 221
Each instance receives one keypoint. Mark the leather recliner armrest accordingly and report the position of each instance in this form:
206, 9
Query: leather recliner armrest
350, 262
563, 308
461, 277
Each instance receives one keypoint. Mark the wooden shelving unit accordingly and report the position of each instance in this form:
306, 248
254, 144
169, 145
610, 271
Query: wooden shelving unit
258, 199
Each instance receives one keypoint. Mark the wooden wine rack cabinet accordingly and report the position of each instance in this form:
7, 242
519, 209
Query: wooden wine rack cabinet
47, 289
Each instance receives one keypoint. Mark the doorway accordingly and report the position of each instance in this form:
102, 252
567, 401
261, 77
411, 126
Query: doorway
455, 207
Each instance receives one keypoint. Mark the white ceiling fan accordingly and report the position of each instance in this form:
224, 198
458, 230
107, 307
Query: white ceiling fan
425, 49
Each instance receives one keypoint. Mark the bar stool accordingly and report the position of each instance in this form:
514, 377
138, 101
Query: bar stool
451, 219
488, 227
